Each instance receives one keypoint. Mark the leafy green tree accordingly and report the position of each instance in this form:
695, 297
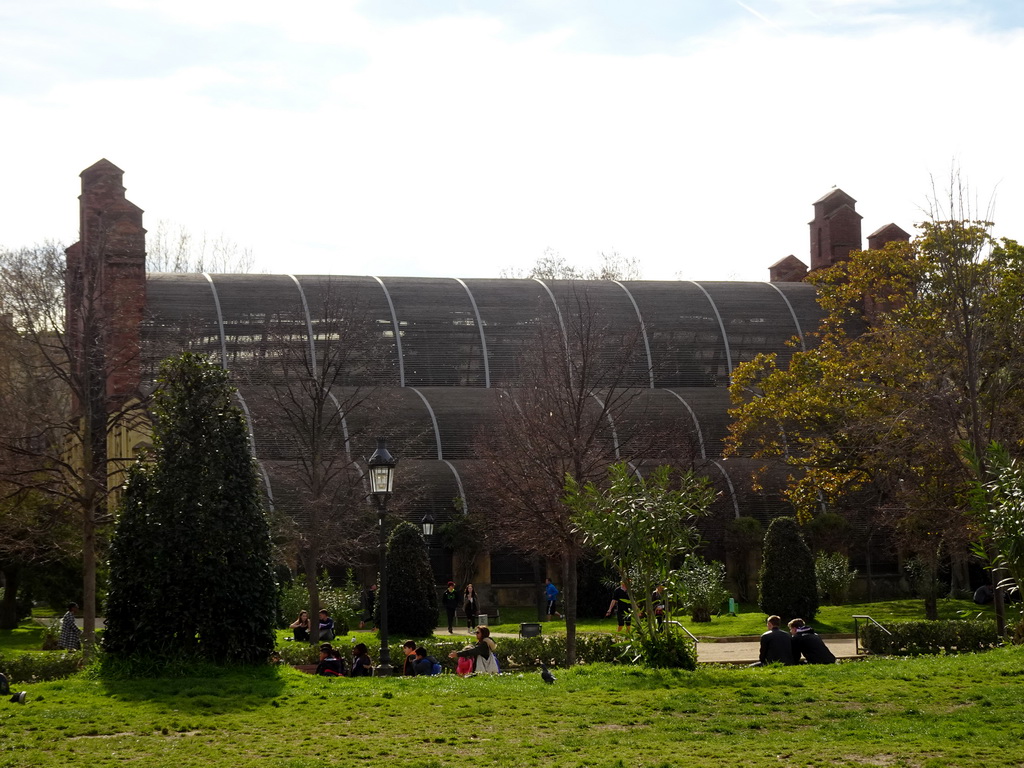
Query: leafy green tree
999, 510
641, 526
832, 570
190, 562
700, 585
412, 599
787, 583
920, 350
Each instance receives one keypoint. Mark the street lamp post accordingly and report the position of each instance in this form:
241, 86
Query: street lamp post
382, 476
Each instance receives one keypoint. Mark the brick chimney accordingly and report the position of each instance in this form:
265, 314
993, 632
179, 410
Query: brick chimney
890, 233
787, 270
835, 229
106, 280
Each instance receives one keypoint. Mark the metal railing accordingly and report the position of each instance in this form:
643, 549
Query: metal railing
692, 636
856, 631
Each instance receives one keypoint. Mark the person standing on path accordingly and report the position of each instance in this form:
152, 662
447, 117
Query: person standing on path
450, 601
70, 635
551, 595
471, 606
622, 606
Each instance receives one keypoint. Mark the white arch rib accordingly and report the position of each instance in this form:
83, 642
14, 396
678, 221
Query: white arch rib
398, 333
220, 322
611, 423
309, 324
643, 330
480, 326
561, 324
252, 449
458, 482
721, 325
433, 419
732, 488
696, 423
792, 313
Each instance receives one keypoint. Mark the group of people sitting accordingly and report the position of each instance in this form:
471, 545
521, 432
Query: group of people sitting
301, 626
479, 658
332, 662
801, 645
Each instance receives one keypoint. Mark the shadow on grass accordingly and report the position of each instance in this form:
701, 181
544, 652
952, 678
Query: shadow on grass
194, 688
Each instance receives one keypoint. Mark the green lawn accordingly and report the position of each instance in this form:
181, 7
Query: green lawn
27, 637
749, 620
925, 712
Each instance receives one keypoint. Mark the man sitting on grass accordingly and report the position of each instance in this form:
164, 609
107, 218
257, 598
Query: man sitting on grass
776, 645
807, 643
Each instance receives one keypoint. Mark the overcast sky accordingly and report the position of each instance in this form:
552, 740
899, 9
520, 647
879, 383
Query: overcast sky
461, 137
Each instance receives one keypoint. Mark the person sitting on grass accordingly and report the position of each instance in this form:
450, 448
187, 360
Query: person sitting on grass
409, 649
326, 625
425, 665
300, 627
330, 664
776, 645
807, 643
482, 652
362, 664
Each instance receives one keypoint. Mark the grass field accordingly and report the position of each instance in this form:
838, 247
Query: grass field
925, 712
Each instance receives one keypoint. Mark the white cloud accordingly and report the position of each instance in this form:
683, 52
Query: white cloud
455, 148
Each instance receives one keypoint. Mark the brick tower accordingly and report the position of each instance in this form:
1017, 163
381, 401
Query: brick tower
106, 286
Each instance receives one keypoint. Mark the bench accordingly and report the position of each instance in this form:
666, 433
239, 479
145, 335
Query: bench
492, 613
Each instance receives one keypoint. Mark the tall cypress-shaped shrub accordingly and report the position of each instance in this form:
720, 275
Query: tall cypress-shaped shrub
787, 584
190, 561
412, 598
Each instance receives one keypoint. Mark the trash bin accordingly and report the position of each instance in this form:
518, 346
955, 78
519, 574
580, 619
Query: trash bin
529, 629
481, 620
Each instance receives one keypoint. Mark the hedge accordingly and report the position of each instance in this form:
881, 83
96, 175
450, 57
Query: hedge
912, 638
513, 653
39, 666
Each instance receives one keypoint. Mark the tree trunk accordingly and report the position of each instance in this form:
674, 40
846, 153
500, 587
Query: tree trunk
570, 579
9, 607
308, 560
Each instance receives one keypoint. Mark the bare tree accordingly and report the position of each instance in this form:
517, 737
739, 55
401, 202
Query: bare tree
172, 248
574, 411
553, 266
314, 404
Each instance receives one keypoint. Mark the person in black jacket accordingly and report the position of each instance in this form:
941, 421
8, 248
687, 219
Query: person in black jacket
776, 645
807, 643
330, 664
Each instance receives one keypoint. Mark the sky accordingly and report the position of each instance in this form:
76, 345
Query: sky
461, 138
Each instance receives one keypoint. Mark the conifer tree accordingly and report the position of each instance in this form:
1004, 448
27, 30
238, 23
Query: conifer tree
787, 585
190, 562
412, 598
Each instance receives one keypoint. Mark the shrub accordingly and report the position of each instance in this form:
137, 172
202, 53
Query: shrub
787, 585
37, 667
834, 577
670, 649
701, 585
412, 599
912, 638
743, 536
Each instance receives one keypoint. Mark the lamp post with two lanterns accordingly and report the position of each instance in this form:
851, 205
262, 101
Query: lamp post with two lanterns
382, 477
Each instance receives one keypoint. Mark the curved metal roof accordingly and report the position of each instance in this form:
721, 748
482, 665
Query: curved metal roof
434, 352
